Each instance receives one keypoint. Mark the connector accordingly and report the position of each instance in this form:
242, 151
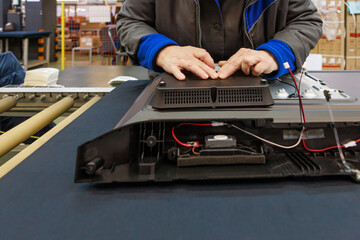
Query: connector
193, 144
218, 124
350, 144
286, 65
304, 66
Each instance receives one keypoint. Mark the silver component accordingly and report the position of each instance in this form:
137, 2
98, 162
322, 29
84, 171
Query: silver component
220, 137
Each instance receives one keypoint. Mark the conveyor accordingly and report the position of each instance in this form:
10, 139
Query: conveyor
43, 105
30, 100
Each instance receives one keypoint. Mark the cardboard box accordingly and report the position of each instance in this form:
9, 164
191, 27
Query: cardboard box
90, 41
357, 44
350, 63
357, 63
315, 50
333, 63
350, 35
323, 45
85, 24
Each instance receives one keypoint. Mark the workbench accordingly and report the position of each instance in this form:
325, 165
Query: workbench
25, 36
39, 199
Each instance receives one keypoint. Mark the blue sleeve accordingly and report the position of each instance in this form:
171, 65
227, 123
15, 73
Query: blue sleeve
282, 53
150, 46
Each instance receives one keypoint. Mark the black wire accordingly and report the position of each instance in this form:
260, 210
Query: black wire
295, 93
287, 84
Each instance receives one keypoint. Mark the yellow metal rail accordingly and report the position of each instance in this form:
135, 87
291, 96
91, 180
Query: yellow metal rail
62, 36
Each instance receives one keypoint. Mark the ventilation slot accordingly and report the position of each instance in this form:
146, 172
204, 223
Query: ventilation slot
176, 97
240, 95
303, 163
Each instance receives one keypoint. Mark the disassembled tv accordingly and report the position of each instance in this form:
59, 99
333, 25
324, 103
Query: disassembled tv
238, 128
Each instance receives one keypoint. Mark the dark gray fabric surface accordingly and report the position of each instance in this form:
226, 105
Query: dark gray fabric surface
98, 76
39, 200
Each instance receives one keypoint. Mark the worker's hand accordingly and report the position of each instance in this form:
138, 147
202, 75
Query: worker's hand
249, 61
173, 59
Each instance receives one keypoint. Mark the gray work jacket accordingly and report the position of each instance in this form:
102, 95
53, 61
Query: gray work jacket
294, 22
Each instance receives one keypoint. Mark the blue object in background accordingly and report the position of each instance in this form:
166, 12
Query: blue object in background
11, 71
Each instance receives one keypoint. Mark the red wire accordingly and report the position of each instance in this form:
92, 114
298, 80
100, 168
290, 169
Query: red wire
193, 124
303, 114
324, 149
298, 90
177, 140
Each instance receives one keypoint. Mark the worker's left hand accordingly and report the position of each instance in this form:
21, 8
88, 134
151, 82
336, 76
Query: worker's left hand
249, 61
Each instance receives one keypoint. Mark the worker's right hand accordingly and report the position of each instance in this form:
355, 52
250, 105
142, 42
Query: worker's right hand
173, 59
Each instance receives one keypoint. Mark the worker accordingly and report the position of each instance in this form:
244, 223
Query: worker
255, 36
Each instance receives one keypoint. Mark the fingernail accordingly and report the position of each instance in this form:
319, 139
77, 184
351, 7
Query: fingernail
205, 76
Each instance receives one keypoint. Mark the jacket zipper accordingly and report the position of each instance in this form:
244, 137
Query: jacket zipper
245, 28
197, 24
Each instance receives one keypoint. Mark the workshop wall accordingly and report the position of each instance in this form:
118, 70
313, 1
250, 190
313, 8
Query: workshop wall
87, 29
332, 44
340, 44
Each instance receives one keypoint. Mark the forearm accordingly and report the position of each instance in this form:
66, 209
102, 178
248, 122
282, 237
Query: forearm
134, 21
303, 31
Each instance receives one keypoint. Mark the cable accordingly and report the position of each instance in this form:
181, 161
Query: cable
269, 142
280, 81
189, 144
328, 148
287, 66
193, 150
218, 124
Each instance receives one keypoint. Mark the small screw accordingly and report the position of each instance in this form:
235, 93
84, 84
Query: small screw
43, 97
162, 84
263, 81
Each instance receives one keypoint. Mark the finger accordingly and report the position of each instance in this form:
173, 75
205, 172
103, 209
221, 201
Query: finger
247, 63
194, 68
221, 63
227, 69
210, 71
177, 73
204, 56
259, 68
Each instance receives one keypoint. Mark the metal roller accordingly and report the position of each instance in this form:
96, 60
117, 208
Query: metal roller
23, 131
7, 103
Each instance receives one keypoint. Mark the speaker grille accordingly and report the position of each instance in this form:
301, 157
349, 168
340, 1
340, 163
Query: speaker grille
240, 95
174, 97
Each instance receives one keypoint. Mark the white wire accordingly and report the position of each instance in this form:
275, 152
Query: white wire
269, 142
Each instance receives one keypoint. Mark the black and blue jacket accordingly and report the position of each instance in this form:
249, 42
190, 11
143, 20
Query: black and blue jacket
288, 29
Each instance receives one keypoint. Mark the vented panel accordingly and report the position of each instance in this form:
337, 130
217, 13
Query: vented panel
303, 163
174, 97
240, 95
